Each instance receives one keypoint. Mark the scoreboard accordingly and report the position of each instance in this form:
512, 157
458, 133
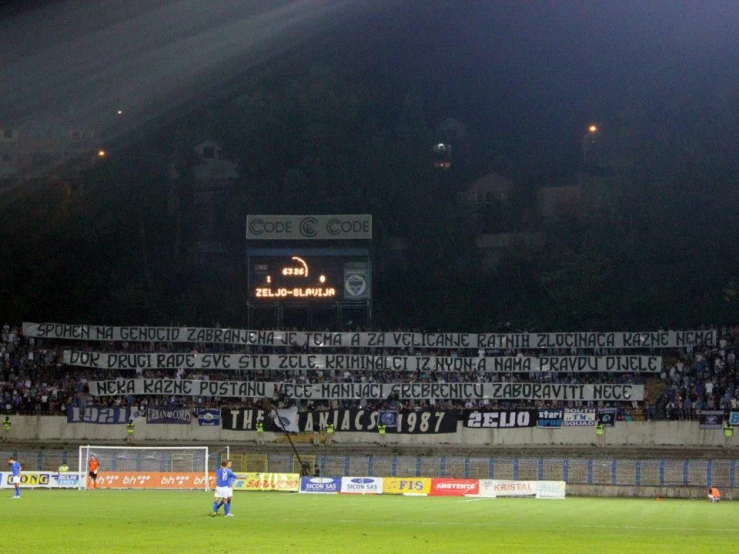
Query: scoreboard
308, 275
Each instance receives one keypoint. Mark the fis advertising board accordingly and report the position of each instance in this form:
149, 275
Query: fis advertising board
413, 486
361, 485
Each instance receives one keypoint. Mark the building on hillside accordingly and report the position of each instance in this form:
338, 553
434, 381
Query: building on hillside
486, 191
559, 201
33, 148
493, 246
214, 178
8, 152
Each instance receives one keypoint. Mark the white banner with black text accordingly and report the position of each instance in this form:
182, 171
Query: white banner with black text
527, 341
351, 362
370, 391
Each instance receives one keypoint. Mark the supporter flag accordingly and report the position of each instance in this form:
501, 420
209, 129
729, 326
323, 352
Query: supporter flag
388, 418
210, 417
734, 418
607, 417
287, 419
711, 419
168, 415
550, 418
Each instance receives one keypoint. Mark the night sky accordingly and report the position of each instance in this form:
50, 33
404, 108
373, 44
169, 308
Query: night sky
534, 73
659, 78
529, 74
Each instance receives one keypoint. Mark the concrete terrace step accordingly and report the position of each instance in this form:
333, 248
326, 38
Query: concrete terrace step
337, 449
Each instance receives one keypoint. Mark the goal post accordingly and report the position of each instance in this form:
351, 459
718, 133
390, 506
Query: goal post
143, 467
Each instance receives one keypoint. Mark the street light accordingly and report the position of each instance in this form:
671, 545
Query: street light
102, 153
589, 141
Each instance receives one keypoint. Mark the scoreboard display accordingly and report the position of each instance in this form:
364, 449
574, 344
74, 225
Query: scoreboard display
308, 277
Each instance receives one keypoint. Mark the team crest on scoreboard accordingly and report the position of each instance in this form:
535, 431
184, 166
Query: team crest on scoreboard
356, 283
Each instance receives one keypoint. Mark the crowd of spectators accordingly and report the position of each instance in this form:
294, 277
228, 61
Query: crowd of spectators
699, 379
35, 380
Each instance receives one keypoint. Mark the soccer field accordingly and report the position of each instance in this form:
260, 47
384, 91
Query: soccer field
110, 522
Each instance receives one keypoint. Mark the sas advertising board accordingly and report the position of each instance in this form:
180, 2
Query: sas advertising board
362, 485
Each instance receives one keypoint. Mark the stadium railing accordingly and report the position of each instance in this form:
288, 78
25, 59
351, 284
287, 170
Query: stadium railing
575, 471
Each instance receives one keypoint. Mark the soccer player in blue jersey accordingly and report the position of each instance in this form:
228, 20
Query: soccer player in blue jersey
224, 481
15, 478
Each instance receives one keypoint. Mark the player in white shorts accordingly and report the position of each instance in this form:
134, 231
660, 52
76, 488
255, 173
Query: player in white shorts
15, 479
224, 479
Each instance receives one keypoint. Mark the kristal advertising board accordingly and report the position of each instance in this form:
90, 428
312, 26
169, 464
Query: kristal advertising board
493, 488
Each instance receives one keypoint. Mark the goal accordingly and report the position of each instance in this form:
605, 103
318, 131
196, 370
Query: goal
139, 467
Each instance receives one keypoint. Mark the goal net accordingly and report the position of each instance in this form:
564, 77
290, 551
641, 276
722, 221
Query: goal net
137, 467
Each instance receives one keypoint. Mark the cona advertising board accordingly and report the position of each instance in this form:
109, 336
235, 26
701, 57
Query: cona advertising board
361, 485
43, 479
152, 480
320, 485
454, 487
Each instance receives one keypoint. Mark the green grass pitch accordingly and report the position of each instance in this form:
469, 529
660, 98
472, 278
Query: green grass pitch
108, 522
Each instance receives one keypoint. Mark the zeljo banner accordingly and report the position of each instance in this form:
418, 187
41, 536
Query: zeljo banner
289, 482
501, 419
361, 485
409, 486
320, 485
43, 479
454, 487
152, 480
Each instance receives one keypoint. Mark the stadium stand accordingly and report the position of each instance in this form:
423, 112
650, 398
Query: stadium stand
35, 379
